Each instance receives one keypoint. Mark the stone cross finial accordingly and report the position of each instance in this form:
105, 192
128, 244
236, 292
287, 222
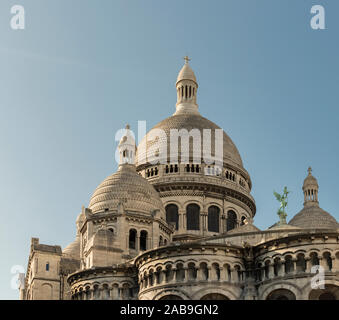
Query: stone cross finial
186, 58
309, 171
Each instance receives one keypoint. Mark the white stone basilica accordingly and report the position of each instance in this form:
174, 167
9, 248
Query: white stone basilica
184, 230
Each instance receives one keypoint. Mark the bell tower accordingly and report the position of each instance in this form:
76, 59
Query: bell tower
310, 189
187, 88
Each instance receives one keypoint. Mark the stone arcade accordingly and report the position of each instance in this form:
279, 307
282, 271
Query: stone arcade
176, 231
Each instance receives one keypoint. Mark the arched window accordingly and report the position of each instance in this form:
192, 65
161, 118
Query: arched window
213, 219
204, 271
327, 296
301, 263
180, 272
289, 265
281, 294
172, 215
328, 259
192, 216
231, 220
132, 238
47, 266
314, 259
143, 240
171, 297
192, 271
214, 296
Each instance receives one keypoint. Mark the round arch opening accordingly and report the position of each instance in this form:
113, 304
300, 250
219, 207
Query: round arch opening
171, 297
330, 292
214, 296
281, 294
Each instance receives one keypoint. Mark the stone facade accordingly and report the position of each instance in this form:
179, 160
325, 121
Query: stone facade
184, 230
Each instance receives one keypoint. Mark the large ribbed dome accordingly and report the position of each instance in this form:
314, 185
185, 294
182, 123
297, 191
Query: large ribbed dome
313, 217
189, 121
126, 187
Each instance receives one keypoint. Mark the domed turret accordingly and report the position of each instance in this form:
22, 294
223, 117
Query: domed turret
312, 216
127, 147
310, 189
187, 87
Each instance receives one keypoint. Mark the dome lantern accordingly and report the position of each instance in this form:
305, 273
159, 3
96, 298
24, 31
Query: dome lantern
127, 147
187, 88
310, 189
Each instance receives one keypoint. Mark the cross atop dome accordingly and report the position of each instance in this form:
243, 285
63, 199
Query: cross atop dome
309, 171
187, 59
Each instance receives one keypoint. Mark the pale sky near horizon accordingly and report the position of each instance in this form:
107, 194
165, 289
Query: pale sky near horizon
82, 69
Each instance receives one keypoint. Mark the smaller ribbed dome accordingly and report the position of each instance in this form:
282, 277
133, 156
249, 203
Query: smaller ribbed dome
127, 188
73, 249
313, 217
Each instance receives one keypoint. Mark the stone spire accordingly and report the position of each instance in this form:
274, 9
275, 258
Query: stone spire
127, 147
187, 87
310, 189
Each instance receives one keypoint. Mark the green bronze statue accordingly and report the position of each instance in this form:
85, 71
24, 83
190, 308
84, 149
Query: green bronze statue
283, 204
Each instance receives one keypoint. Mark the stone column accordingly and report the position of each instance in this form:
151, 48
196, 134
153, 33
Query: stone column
222, 223
222, 270
209, 269
233, 275
334, 264
181, 221
186, 274
323, 263
271, 271
174, 275
308, 265
101, 295
281, 271
294, 263
161, 277
137, 242
199, 273
212, 274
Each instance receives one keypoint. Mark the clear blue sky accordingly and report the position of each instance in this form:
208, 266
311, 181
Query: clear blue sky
83, 68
